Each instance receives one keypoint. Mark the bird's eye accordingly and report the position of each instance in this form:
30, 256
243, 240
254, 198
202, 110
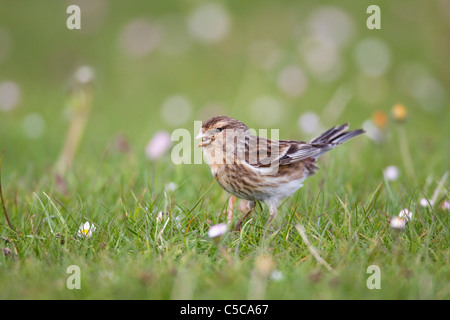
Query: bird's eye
219, 129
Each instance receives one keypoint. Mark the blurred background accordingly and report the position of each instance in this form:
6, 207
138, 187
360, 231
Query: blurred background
300, 66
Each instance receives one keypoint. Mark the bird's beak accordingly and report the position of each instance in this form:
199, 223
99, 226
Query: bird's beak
200, 135
204, 142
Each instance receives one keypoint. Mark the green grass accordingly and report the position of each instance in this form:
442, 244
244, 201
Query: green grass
345, 208
132, 255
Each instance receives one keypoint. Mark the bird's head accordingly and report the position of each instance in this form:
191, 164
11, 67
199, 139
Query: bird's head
216, 128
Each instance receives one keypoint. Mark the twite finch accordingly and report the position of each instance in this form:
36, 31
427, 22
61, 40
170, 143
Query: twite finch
259, 169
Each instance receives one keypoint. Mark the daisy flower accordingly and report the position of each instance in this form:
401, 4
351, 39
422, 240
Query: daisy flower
86, 230
405, 214
398, 223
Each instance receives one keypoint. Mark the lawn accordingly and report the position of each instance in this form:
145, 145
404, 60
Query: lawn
79, 108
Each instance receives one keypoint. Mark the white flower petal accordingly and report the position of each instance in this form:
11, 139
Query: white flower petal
391, 173
86, 230
217, 230
405, 214
425, 203
398, 223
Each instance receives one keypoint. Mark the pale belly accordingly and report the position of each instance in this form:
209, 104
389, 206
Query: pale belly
269, 188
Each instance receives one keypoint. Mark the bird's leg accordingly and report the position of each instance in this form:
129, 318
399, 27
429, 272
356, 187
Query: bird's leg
268, 235
273, 209
250, 205
246, 205
273, 212
231, 202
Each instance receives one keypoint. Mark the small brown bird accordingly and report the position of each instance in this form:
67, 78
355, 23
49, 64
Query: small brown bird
259, 169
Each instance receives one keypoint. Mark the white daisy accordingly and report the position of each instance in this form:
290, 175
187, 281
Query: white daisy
398, 223
86, 230
406, 215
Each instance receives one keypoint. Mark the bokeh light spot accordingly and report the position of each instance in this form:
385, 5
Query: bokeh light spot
331, 25
264, 54
372, 56
309, 122
292, 81
139, 38
10, 95
174, 35
33, 125
267, 110
176, 110
209, 23
322, 59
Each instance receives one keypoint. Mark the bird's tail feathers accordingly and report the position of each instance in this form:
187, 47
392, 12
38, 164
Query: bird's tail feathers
334, 137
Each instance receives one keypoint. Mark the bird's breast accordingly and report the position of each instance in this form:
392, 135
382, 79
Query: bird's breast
215, 169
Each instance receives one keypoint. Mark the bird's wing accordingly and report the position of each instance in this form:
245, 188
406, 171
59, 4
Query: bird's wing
299, 151
264, 153
284, 152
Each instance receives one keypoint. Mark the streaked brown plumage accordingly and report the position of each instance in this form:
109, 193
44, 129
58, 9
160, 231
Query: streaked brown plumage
260, 169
